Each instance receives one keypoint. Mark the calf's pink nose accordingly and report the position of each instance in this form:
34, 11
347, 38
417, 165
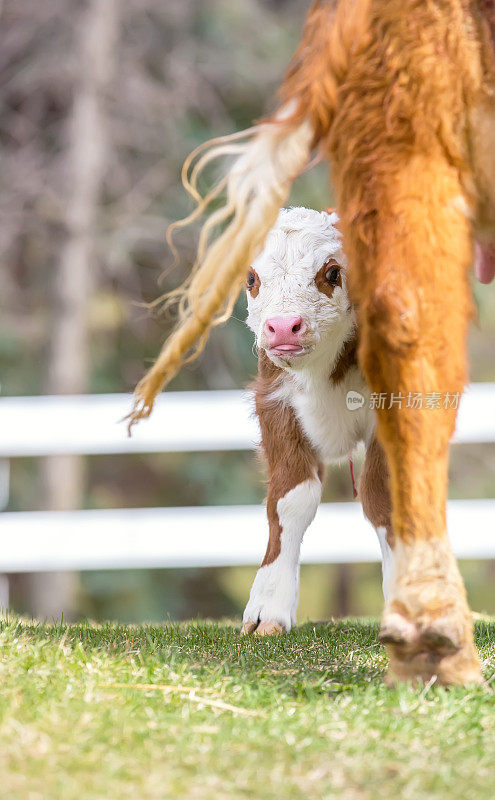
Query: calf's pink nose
284, 330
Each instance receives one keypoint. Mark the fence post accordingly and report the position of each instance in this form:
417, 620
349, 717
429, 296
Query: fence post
4, 482
4, 594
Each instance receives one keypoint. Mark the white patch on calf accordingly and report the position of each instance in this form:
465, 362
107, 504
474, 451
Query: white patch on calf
460, 204
388, 562
275, 590
333, 430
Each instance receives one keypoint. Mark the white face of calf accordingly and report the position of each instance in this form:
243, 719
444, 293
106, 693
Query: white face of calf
296, 289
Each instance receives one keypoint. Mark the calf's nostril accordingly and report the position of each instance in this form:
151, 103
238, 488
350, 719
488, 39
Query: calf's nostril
296, 328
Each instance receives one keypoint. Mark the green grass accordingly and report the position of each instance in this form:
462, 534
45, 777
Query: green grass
302, 716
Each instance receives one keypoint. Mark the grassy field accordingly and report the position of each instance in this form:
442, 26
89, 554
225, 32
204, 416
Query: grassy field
195, 711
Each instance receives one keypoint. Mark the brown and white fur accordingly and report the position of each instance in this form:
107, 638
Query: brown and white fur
400, 96
305, 329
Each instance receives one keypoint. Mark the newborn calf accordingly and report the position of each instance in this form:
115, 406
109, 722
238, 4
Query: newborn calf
305, 329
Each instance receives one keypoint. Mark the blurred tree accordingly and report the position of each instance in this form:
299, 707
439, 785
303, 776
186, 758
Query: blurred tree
68, 365
91, 165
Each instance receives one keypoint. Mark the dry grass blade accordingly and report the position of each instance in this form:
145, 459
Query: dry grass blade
190, 692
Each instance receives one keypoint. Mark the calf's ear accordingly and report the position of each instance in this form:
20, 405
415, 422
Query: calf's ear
332, 210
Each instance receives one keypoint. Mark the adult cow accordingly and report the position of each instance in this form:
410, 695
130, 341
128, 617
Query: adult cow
399, 96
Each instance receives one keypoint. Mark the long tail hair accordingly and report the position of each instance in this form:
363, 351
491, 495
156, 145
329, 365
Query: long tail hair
256, 186
270, 156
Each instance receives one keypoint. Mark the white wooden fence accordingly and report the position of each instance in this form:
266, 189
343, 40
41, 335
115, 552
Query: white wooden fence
183, 537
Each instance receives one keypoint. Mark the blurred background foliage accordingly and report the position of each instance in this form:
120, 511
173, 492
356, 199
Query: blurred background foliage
173, 74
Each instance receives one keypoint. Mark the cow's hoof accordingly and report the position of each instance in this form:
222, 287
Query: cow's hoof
428, 664
396, 629
438, 651
270, 628
427, 626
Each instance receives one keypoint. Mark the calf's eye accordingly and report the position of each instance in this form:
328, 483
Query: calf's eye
328, 277
253, 283
332, 275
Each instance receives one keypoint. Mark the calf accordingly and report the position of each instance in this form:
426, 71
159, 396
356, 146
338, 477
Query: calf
305, 328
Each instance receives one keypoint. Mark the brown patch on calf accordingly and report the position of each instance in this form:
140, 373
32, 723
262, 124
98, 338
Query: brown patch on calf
253, 289
347, 358
289, 456
321, 281
374, 490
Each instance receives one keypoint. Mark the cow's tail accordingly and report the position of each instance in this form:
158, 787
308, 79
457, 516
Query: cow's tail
269, 157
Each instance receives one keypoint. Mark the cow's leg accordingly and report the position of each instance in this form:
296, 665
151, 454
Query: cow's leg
294, 493
410, 261
374, 494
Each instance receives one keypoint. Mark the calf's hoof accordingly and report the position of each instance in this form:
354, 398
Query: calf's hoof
269, 628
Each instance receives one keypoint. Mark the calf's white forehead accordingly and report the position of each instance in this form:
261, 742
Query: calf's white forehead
298, 245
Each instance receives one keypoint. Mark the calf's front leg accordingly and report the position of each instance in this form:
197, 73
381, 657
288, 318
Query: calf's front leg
374, 494
274, 594
294, 492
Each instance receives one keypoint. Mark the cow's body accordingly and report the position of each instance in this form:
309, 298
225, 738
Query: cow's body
301, 401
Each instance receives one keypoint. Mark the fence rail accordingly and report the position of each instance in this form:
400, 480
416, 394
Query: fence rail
181, 421
182, 537
211, 536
